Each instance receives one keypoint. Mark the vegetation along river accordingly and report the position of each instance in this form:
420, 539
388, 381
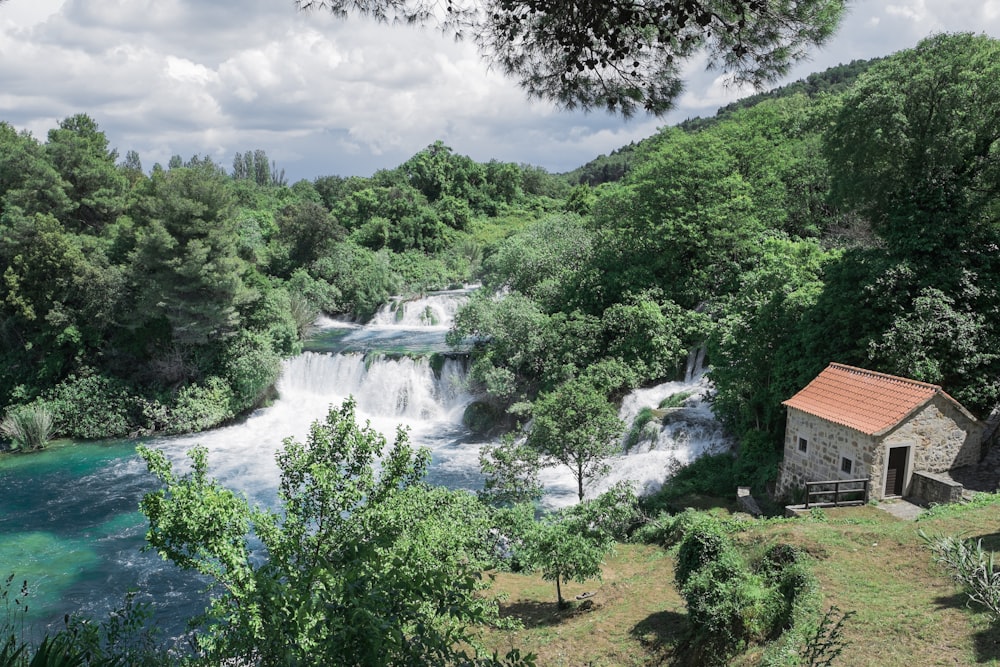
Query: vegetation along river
69, 519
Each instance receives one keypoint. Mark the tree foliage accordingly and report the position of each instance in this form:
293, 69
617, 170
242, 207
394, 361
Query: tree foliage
915, 147
575, 426
362, 562
571, 545
622, 56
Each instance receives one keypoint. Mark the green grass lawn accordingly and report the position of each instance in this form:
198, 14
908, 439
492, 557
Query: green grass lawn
907, 611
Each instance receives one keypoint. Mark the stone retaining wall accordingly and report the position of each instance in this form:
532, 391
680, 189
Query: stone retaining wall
928, 488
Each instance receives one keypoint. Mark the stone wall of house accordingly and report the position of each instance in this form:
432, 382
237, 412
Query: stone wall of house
826, 445
941, 435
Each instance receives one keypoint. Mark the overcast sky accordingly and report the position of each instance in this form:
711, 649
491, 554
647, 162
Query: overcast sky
323, 96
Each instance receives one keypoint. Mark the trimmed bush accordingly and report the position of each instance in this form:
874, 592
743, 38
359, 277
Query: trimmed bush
733, 600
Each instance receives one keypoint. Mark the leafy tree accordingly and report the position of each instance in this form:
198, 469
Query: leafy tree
622, 56
307, 231
79, 152
436, 172
571, 545
363, 278
914, 147
520, 350
185, 267
542, 260
777, 149
757, 349
575, 426
511, 470
57, 302
27, 179
684, 222
651, 338
363, 563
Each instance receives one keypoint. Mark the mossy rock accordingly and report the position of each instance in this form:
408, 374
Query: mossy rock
480, 417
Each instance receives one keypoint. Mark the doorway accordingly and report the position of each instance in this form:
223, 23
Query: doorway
895, 471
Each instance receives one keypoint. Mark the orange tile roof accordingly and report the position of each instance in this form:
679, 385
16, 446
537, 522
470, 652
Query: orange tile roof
864, 400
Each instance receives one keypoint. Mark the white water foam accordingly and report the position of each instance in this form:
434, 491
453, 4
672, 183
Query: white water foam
389, 393
684, 434
433, 310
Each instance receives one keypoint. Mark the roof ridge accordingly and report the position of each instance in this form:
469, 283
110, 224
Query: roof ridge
886, 376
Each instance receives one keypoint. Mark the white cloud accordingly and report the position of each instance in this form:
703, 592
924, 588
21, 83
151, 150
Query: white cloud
325, 96
914, 11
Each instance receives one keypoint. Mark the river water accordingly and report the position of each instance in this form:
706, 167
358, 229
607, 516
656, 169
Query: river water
69, 520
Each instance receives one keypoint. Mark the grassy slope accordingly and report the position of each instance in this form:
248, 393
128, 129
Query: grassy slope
907, 611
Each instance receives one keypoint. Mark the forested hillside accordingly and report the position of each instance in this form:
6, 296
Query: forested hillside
134, 302
858, 227
812, 224
614, 166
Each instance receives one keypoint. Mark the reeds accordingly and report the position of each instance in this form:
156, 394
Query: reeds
28, 426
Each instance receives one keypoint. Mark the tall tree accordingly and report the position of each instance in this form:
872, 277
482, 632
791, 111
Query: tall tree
621, 55
916, 147
79, 152
27, 179
575, 426
684, 222
185, 266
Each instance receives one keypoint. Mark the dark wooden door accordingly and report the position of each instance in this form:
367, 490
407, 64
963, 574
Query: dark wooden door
895, 471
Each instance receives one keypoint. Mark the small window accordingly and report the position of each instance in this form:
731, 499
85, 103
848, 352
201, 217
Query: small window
846, 465
803, 445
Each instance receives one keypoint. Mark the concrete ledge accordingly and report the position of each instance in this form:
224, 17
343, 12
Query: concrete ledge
929, 487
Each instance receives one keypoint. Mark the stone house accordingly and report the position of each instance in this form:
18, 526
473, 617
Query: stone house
852, 423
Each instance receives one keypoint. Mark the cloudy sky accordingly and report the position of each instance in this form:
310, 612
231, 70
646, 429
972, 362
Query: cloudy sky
322, 96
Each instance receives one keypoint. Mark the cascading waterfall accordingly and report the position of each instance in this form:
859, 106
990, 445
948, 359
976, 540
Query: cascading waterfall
69, 519
670, 438
433, 310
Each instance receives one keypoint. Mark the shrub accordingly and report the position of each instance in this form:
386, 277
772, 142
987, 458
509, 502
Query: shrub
91, 406
251, 367
971, 566
200, 407
757, 463
28, 426
732, 600
711, 474
704, 543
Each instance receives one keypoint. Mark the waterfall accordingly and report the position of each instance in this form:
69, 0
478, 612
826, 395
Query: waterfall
389, 392
695, 363
672, 437
401, 373
436, 309
403, 388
